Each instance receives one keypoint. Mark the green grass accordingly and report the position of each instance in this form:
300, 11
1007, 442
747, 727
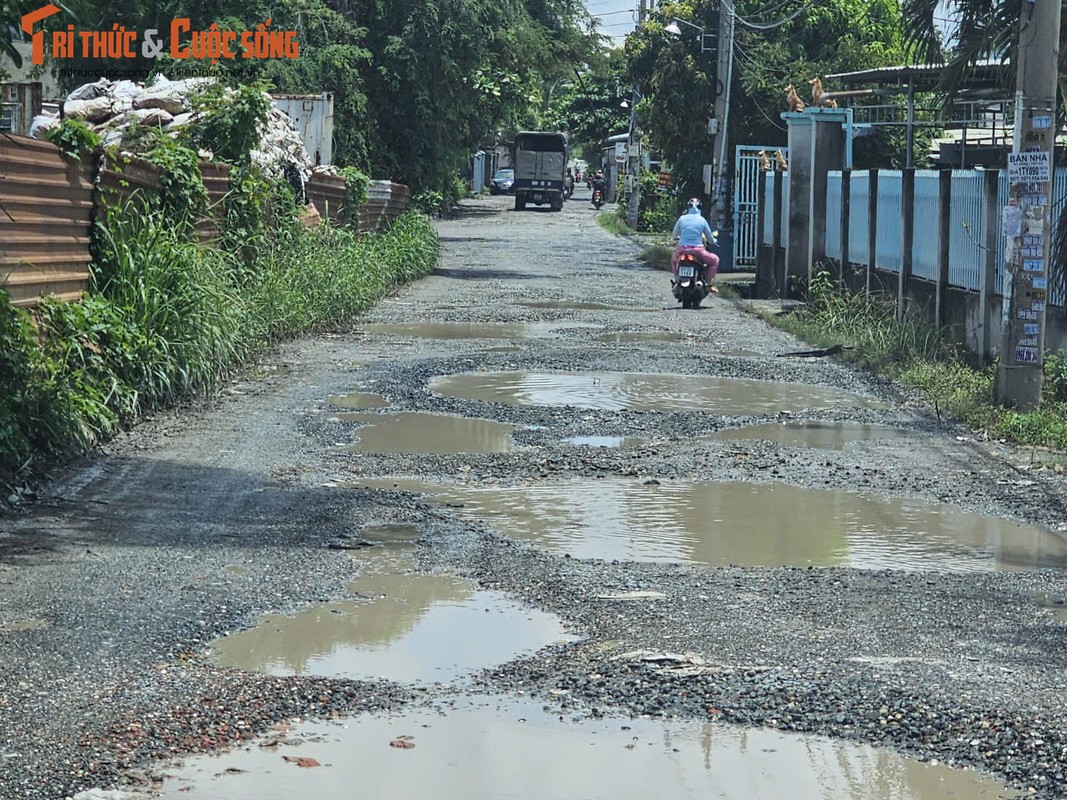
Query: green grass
657, 255
167, 319
915, 354
613, 223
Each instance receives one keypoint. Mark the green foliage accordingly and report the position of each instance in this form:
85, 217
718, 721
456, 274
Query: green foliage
231, 121
590, 107
915, 354
356, 184
657, 256
614, 222
1055, 377
679, 81
183, 193
76, 139
168, 318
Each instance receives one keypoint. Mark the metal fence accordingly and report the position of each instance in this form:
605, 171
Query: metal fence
966, 224
47, 205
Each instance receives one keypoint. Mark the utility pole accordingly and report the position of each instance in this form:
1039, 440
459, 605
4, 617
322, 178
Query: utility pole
721, 113
633, 148
1026, 218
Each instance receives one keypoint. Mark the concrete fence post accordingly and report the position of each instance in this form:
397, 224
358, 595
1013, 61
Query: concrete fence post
846, 215
907, 213
763, 264
779, 280
872, 226
944, 234
987, 278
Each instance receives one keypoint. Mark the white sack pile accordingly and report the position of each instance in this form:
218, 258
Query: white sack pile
112, 108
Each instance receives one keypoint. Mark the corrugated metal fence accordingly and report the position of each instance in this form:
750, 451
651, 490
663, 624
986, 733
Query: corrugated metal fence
47, 206
966, 225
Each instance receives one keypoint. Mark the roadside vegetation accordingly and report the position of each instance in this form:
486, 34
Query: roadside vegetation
917, 355
167, 318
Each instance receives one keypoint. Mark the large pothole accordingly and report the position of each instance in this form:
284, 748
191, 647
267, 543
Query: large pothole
513, 748
746, 524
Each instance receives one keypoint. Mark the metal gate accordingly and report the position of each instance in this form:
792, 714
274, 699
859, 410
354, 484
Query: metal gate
746, 201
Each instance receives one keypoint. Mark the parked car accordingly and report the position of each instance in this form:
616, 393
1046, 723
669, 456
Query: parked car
502, 182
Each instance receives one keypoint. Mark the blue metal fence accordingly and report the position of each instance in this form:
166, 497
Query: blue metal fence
833, 215
966, 234
927, 210
858, 240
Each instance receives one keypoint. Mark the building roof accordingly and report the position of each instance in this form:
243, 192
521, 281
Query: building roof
985, 74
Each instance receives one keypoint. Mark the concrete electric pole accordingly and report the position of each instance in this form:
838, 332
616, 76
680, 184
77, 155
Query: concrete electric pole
1027, 219
721, 113
633, 148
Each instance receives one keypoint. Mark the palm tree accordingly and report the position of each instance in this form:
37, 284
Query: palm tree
978, 29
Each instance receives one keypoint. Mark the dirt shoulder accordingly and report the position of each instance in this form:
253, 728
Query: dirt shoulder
112, 586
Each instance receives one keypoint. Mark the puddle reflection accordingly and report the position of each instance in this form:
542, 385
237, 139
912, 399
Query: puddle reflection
420, 432
750, 525
616, 391
824, 435
507, 748
409, 628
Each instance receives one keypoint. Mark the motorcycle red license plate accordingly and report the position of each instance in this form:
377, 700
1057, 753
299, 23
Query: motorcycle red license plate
686, 271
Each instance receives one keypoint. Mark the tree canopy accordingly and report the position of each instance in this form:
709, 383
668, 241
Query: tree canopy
790, 44
418, 85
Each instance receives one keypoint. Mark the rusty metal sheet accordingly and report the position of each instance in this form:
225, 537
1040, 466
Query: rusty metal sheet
46, 206
329, 193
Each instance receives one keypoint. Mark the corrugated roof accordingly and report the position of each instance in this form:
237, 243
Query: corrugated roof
924, 76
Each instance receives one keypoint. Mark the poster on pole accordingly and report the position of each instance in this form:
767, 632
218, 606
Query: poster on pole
1029, 167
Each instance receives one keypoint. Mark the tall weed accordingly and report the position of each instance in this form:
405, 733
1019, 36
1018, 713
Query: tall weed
167, 318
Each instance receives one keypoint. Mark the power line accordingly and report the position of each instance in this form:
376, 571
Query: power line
770, 25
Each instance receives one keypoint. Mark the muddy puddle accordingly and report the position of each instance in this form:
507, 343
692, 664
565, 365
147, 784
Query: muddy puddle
745, 524
823, 435
510, 748
566, 305
604, 441
616, 391
419, 432
404, 626
359, 401
636, 337
472, 330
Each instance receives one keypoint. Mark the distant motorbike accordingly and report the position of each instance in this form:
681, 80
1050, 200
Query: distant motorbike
598, 198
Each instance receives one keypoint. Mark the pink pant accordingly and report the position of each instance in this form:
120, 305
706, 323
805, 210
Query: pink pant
710, 260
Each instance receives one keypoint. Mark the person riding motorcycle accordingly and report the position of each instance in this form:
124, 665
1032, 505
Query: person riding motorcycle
695, 236
568, 184
598, 183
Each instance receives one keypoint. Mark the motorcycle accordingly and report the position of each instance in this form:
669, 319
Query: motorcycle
598, 198
691, 285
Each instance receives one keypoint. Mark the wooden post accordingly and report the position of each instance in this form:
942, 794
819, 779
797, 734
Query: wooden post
846, 206
944, 236
872, 226
907, 214
776, 239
